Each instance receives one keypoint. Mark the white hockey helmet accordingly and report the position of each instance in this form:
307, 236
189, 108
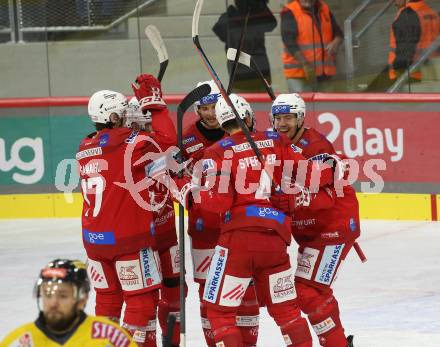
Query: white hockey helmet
211, 98
135, 115
223, 112
289, 103
105, 102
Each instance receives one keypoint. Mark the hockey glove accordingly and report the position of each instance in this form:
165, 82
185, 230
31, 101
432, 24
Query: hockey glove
148, 91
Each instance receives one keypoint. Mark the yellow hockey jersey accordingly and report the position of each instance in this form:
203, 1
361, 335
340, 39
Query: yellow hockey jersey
90, 332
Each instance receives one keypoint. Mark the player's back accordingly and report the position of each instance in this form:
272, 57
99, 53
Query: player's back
115, 216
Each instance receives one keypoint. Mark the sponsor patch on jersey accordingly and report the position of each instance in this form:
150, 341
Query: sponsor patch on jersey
194, 148
96, 274
319, 157
281, 286
129, 274
233, 290
287, 340
247, 321
132, 137
91, 152
156, 166
199, 224
150, 269
175, 259
272, 134
306, 263
296, 149
353, 224
114, 335
227, 217
215, 274
280, 109
265, 212
226, 143
328, 264
201, 260
324, 326
207, 164
246, 145
103, 140
304, 142
99, 237
188, 139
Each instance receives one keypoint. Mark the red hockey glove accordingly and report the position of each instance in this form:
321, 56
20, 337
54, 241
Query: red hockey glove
148, 91
289, 202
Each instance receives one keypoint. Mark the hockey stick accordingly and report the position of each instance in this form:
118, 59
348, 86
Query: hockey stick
156, 40
215, 77
194, 95
239, 48
247, 60
168, 340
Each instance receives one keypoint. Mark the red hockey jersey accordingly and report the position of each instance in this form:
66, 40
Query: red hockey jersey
335, 224
240, 188
195, 143
117, 215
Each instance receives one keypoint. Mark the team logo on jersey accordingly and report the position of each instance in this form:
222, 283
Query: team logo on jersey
353, 224
188, 139
99, 237
226, 143
272, 134
328, 264
96, 274
265, 212
103, 140
132, 137
296, 149
281, 286
215, 274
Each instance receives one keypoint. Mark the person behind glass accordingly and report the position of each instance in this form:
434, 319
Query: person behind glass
62, 291
311, 38
415, 27
228, 29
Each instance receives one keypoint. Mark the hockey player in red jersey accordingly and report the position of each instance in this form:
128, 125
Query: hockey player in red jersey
164, 230
254, 234
325, 236
204, 226
122, 264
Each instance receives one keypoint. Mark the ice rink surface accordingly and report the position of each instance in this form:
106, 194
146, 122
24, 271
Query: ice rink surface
393, 300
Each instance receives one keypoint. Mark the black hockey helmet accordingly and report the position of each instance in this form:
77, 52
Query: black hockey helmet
65, 270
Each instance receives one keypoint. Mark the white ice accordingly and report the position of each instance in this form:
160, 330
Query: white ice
393, 300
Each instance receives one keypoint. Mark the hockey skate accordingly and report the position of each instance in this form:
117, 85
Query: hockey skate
350, 341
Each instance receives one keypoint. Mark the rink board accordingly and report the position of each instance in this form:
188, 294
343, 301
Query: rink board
389, 206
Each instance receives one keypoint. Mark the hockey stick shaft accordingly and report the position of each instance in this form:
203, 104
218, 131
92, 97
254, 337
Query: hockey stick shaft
171, 322
188, 100
156, 40
359, 252
239, 48
247, 60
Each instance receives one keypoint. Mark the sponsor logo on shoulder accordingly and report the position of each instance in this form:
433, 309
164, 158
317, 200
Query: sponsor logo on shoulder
132, 137
226, 143
194, 148
319, 157
188, 139
91, 152
103, 140
296, 149
272, 134
208, 164
353, 224
304, 142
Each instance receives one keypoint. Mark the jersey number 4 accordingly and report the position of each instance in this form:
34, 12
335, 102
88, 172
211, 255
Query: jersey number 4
93, 186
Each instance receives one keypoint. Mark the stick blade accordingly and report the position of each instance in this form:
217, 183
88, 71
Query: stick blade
196, 17
155, 38
244, 58
194, 95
